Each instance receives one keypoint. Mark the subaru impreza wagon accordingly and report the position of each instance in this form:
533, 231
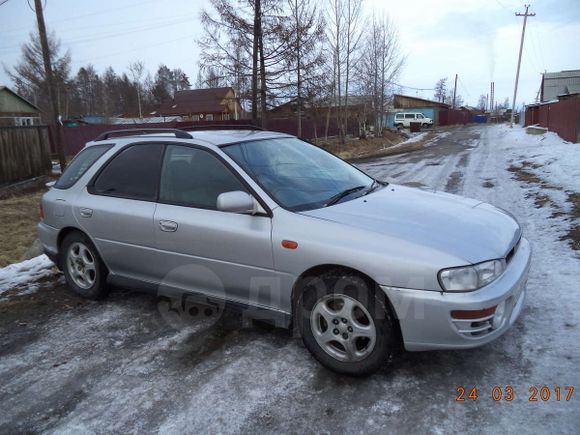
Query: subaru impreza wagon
288, 232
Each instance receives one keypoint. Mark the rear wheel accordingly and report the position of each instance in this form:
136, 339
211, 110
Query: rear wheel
345, 323
83, 269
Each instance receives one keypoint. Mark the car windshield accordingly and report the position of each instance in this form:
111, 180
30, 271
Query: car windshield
298, 175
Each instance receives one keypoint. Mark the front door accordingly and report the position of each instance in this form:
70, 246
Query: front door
204, 250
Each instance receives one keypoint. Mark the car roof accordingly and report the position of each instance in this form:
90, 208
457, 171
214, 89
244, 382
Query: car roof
206, 137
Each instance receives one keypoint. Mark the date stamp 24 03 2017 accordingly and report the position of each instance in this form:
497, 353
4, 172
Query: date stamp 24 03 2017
508, 394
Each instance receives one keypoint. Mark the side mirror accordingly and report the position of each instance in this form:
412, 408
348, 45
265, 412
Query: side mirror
50, 184
238, 202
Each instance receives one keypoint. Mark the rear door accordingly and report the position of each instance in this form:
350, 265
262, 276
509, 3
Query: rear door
202, 249
118, 210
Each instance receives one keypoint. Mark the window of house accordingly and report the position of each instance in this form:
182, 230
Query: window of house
195, 117
225, 116
133, 173
80, 164
209, 117
194, 177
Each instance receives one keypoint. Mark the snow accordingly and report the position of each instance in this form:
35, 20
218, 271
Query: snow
26, 273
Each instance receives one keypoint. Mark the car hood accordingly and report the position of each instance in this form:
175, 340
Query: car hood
462, 227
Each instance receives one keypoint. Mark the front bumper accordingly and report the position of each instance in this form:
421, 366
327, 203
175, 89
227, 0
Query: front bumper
425, 316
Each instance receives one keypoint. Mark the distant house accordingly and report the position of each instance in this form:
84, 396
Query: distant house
17, 110
558, 84
406, 103
213, 104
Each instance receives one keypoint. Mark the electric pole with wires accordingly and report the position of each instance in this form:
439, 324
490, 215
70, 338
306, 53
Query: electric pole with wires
525, 15
50, 83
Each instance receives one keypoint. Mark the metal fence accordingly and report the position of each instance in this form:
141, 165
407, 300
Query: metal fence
453, 117
24, 153
562, 117
75, 138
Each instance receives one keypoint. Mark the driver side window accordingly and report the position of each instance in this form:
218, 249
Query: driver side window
195, 178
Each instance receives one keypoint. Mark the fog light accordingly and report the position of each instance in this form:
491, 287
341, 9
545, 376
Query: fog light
499, 315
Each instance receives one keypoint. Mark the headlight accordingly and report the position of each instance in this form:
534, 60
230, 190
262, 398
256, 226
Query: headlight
467, 278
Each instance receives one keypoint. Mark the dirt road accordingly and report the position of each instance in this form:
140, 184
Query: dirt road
124, 366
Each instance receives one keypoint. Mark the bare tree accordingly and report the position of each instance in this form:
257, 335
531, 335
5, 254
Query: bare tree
380, 63
243, 40
343, 37
482, 102
304, 35
29, 76
137, 70
441, 89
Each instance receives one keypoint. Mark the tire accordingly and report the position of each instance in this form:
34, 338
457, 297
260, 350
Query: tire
399, 126
425, 125
83, 268
346, 323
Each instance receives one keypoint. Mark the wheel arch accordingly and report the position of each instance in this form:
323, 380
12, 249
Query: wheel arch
323, 268
71, 229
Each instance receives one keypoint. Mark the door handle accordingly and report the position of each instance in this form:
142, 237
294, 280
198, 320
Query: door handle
168, 226
86, 212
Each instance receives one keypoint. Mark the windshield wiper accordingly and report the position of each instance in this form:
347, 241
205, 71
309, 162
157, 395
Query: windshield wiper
342, 194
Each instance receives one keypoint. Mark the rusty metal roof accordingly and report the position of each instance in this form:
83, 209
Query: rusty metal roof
196, 101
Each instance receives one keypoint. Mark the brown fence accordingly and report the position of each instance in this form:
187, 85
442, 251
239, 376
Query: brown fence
453, 117
562, 117
74, 138
24, 153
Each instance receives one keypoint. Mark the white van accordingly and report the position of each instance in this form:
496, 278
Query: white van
405, 119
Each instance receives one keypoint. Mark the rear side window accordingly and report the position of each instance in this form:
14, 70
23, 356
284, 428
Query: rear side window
80, 164
410, 116
133, 173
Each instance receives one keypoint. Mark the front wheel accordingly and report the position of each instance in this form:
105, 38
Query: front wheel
346, 324
83, 269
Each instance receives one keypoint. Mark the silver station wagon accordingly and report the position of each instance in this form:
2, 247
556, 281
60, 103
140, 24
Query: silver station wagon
289, 233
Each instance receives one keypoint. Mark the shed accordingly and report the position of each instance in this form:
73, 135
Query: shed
17, 110
406, 103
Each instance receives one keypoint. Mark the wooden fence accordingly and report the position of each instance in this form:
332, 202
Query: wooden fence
24, 153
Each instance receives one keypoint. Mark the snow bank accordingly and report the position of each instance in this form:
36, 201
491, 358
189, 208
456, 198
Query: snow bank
26, 272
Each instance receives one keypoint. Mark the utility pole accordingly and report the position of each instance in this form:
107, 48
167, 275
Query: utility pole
454, 91
525, 15
50, 83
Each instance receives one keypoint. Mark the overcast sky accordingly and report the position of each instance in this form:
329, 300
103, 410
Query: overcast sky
479, 40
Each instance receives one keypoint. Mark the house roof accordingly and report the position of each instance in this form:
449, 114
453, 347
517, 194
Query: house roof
560, 83
20, 97
195, 101
429, 103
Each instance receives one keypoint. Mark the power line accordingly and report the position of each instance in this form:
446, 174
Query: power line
3, 2
415, 89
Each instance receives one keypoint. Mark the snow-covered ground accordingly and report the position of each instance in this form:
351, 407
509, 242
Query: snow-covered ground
26, 274
119, 366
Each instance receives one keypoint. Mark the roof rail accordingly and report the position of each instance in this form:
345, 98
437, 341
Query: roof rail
224, 127
180, 134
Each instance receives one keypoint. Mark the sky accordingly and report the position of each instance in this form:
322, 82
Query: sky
478, 40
